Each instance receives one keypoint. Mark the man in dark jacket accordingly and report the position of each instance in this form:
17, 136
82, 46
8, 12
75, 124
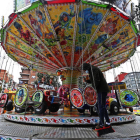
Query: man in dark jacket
96, 78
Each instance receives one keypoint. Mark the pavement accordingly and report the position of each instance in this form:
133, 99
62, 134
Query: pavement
11, 130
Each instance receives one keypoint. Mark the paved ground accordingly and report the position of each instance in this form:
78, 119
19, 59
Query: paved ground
129, 131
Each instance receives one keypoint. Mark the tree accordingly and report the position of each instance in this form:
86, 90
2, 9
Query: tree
47, 80
40, 76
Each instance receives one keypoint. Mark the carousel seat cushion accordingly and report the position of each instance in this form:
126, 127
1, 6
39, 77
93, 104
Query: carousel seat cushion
30, 103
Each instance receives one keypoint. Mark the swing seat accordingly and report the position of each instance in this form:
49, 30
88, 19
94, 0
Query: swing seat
30, 103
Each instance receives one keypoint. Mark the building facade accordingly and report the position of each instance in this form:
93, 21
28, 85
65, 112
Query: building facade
5, 76
132, 81
27, 76
6, 80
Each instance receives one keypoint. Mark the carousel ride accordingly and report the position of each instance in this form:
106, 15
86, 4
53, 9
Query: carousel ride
58, 37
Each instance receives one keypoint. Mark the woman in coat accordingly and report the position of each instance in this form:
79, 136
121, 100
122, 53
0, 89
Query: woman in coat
96, 78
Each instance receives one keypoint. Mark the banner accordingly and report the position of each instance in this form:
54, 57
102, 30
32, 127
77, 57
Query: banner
23, 3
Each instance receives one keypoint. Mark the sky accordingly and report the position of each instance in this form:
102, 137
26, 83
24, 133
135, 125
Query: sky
6, 8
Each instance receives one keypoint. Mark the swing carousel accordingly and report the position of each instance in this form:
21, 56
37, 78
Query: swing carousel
58, 37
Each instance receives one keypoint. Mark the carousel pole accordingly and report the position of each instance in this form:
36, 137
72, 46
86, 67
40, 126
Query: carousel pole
71, 78
12, 70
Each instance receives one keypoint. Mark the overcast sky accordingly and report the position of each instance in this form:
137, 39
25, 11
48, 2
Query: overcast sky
6, 8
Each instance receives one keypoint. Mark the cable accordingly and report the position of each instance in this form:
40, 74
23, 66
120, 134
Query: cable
8, 72
4, 74
133, 73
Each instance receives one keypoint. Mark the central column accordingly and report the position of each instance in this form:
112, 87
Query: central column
71, 78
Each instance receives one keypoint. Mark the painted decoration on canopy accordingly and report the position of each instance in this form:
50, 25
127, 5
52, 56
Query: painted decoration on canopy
65, 35
116, 56
23, 33
38, 97
90, 96
27, 61
15, 46
103, 68
88, 21
118, 42
106, 31
38, 21
128, 98
76, 98
21, 97
63, 20
3, 100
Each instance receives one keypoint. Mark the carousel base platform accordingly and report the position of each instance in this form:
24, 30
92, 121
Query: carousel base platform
66, 117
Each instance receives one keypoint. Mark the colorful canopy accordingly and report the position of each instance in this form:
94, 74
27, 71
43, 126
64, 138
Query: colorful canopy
53, 35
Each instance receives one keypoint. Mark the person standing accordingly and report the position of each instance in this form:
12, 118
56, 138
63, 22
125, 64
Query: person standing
96, 78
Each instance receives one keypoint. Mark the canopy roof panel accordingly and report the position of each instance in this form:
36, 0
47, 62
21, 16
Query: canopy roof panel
58, 35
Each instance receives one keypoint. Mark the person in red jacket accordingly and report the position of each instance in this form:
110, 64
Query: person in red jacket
96, 78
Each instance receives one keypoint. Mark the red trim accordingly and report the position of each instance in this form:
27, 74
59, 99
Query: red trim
119, 13
101, 128
138, 43
59, 1
11, 18
98, 134
113, 129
